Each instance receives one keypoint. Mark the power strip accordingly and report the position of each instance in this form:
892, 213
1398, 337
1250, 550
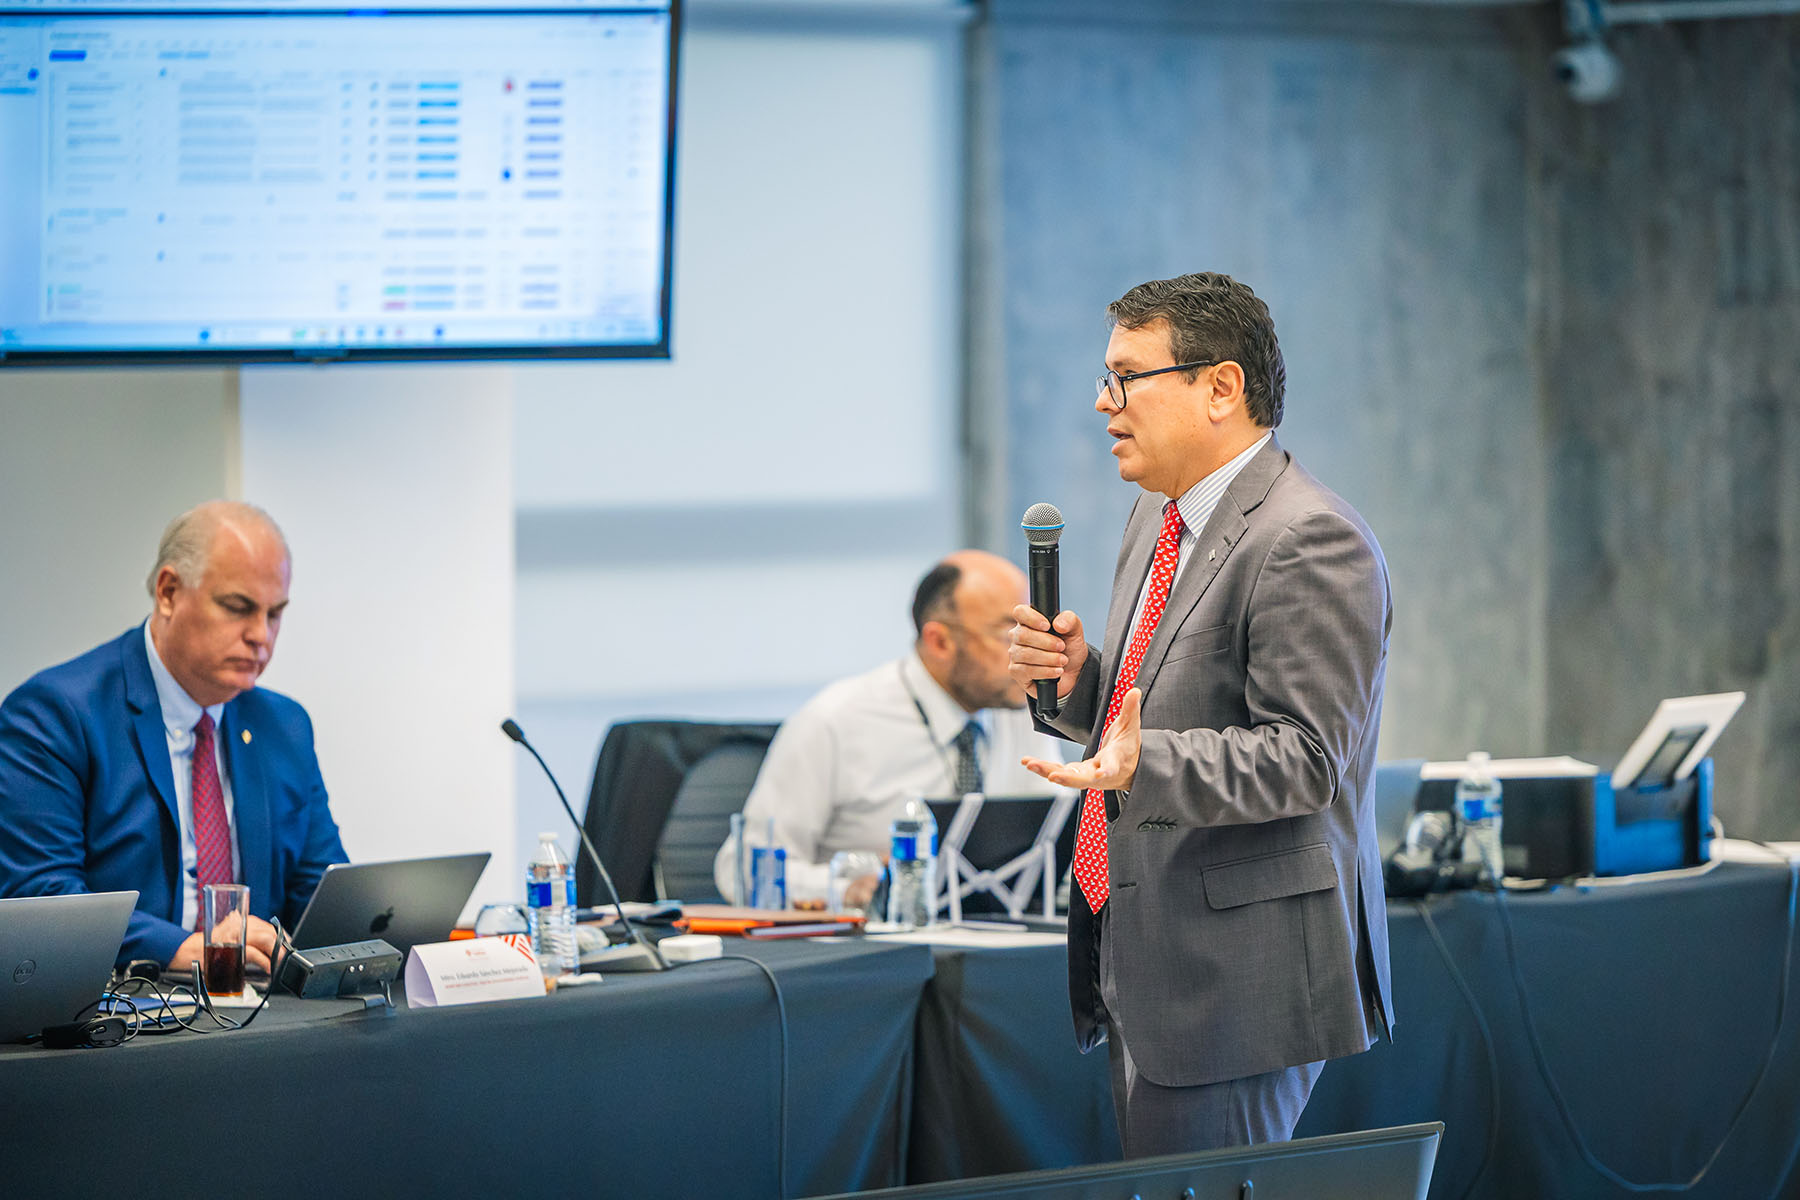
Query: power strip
351, 969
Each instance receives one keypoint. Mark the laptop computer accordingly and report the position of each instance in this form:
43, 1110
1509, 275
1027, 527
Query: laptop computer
1396, 794
56, 957
1005, 828
405, 903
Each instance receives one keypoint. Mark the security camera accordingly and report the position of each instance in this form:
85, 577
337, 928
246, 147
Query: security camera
1589, 70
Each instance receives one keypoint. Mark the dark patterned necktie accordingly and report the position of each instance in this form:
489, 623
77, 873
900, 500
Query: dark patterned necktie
212, 831
968, 760
1090, 838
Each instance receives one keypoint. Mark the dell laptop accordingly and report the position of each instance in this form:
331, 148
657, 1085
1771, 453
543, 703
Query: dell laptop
56, 957
407, 903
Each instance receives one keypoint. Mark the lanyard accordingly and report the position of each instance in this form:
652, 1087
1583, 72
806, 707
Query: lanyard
919, 707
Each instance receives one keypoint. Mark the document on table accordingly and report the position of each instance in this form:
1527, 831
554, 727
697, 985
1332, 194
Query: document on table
1560, 767
962, 935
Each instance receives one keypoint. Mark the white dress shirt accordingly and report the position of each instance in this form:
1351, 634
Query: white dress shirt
180, 713
845, 764
1196, 507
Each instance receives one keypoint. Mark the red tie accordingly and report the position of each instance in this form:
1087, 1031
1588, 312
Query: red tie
212, 832
1090, 840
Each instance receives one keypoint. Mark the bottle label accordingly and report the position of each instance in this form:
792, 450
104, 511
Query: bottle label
538, 893
905, 848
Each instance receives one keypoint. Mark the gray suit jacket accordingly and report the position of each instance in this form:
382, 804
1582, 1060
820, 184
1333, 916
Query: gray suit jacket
1247, 928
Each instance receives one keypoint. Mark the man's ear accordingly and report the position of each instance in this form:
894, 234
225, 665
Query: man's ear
167, 584
1227, 393
934, 640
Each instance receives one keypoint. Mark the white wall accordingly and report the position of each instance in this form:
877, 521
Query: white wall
394, 486
721, 534
92, 466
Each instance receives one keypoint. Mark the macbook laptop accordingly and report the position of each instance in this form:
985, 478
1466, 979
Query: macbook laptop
406, 903
56, 957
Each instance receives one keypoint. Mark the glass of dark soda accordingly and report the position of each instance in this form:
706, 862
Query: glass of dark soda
226, 909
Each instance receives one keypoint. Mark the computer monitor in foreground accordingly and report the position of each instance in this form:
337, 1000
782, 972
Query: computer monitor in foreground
1389, 1164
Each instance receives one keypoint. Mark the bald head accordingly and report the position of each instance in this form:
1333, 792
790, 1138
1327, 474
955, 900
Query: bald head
983, 574
963, 613
218, 592
188, 541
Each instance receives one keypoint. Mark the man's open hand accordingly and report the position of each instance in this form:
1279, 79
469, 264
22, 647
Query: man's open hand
1114, 765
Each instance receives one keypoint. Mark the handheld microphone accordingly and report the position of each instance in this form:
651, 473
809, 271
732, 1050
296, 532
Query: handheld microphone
651, 958
1043, 526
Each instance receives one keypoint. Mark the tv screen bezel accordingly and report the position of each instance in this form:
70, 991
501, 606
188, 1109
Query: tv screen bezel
126, 356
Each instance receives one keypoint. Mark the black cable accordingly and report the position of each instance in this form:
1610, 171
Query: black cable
1562, 1105
1487, 1046
94, 1006
203, 998
166, 1005
202, 1001
781, 1106
283, 946
139, 1014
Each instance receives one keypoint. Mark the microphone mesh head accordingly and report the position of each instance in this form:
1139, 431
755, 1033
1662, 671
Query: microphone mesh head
1043, 524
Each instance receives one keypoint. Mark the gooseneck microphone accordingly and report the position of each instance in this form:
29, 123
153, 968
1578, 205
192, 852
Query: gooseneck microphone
1043, 526
652, 959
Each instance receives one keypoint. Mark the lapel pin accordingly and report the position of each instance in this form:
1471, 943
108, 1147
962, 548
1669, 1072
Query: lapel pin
246, 736
1211, 554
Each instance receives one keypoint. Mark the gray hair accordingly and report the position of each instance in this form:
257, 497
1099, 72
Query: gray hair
188, 539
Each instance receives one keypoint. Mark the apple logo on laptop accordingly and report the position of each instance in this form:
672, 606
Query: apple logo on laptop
25, 970
380, 924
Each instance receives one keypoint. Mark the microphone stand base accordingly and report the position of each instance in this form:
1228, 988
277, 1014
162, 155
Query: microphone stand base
627, 956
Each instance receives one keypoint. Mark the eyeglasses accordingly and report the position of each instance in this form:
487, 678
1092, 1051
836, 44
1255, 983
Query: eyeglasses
1113, 383
999, 633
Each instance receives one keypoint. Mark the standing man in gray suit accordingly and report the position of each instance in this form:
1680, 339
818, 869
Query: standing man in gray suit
1228, 931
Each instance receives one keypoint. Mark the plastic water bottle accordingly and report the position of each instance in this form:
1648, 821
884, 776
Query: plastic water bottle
550, 895
1478, 805
912, 867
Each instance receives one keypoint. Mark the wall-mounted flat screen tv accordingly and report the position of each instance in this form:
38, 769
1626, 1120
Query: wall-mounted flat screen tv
297, 183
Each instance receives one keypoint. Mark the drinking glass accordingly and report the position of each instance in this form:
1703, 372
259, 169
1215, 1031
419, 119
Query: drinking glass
847, 866
226, 908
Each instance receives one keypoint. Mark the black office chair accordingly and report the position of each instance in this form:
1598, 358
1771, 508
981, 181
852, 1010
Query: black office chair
647, 820
700, 820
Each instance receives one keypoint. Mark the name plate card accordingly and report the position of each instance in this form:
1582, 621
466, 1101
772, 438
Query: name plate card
468, 972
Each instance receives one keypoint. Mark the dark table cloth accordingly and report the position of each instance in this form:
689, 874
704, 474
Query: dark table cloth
653, 1085
1654, 1002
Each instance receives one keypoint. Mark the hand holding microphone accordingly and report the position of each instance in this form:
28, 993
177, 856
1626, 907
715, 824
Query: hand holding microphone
1044, 656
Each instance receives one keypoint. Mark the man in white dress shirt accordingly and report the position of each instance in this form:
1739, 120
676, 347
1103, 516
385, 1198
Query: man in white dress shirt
943, 720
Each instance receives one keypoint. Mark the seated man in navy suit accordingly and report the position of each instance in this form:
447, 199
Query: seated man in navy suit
154, 763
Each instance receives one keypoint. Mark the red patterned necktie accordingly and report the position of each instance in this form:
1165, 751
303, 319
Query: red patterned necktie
212, 832
1090, 839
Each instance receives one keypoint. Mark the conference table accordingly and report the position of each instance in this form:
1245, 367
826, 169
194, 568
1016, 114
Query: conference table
911, 1060
643, 1085
1613, 1043
1654, 1004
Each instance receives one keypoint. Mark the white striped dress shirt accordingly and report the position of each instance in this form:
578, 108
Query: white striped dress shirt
1196, 507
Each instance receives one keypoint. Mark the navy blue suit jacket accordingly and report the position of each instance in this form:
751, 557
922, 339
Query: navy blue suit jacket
87, 797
